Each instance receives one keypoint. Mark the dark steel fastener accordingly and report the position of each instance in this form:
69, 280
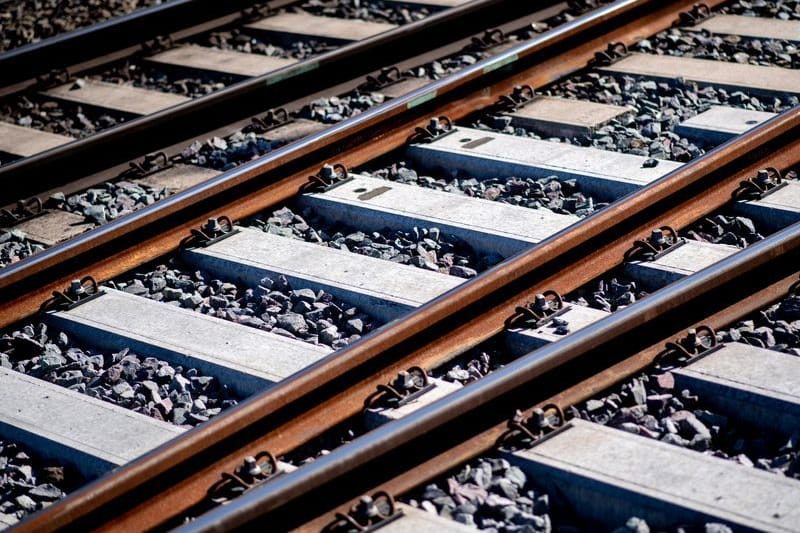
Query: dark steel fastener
755, 188
79, 291
521, 95
365, 514
697, 341
437, 127
523, 430
698, 13
659, 241
613, 53
407, 383
253, 471
215, 229
543, 306
327, 176
387, 76
270, 120
25, 210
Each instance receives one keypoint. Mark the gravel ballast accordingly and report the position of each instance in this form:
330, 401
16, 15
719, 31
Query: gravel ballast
41, 113
650, 405
780, 9
147, 385
559, 196
658, 107
423, 247
28, 21
145, 76
731, 48
14, 246
369, 10
274, 305
29, 483
493, 496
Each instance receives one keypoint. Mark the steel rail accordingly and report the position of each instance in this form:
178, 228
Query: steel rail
280, 174
164, 473
86, 50
579, 384
81, 44
447, 50
438, 345
141, 135
398, 448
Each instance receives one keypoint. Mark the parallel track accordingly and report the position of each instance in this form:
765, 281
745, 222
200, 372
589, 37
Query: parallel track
132, 139
157, 490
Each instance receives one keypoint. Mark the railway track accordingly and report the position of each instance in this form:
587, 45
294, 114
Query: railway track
239, 284
195, 79
89, 200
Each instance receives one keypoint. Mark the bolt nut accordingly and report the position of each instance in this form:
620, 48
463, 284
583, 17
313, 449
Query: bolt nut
327, 172
404, 381
657, 237
540, 302
76, 288
252, 466
212, 226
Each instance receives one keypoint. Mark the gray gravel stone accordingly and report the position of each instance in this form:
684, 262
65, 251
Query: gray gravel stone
657, 108
110, 200
14, 246
145, 385
559, 196
224, 154
28, 21
730, 48
681, 418
337, 108
479, 495
27, 483
426, 248
273, 305
782, 9
371, 10
143, 75
39, 112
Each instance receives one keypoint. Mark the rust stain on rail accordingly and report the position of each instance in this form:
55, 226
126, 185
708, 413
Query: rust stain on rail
151, 511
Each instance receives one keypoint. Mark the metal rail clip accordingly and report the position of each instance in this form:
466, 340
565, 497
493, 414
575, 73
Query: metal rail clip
25, 210
271, 120
150, 164
58, 76
369, 514
613, 53
79, 291
698, 342
214, 230
490, 38
544, 307
253, 471
387, 76
404, 388
519, 97
698, 13
661, 241
327, 177
765, 182
437, 128
523, 430
160, 43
